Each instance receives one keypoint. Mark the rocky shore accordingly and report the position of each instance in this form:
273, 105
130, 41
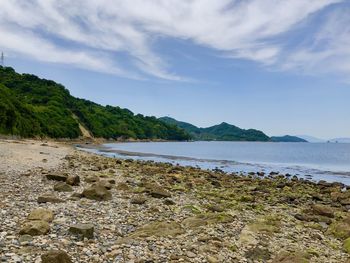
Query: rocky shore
61, 205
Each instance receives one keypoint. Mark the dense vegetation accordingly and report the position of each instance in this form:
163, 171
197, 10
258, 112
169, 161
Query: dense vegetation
221, 132
30, 106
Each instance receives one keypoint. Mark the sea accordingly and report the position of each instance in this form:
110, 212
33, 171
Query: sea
311, 161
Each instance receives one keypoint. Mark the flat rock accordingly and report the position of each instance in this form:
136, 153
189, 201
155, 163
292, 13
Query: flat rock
57, 177
35, 228
62, 187
97, 192
82, 230
49, 199
55, 256
41, 214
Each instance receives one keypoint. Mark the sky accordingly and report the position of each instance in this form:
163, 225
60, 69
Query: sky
279, 66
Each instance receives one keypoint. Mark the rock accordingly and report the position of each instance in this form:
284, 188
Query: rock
82, 230
346, 245
62, 187
92, 179
73, 180
287, 257
323, 210
49, 199
169, 202
97, 192
159, 193
57, 177
25, 239
35, 228
41, 214
258, 254
55, 256
216, 208
139, 200
123, 187
105, 184
211, 259
190, 254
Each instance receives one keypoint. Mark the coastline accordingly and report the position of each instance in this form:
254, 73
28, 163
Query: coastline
166, 213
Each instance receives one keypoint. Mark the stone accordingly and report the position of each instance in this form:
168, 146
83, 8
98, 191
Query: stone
49, 199
73, 180
287, 257
97, 192
41, 214
216, 208
92, 179
82, 230
346, 245
159, 193
25, 239
57, 177
323, 210
35, 228
138, 200
62, 187
55, 256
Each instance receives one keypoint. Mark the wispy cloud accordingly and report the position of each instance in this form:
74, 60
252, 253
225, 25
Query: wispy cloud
93, 34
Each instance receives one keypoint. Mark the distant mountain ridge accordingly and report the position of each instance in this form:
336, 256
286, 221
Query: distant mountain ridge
227, 132
220, 132
287, 138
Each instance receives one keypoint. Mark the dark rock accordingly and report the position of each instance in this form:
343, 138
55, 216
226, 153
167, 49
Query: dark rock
57, 177
82, 230
55, 256
49, 199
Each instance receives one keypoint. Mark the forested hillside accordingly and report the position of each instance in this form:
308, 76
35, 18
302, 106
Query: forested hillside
34, 107
220, 132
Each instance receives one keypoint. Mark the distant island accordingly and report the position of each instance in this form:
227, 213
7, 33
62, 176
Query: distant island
227, 132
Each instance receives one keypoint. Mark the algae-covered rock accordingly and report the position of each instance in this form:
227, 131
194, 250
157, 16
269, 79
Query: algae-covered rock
346, 245
206, 219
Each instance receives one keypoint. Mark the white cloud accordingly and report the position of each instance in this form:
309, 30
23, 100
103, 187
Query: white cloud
92, 34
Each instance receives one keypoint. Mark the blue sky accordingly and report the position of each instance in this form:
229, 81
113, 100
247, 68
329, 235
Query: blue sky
279, 66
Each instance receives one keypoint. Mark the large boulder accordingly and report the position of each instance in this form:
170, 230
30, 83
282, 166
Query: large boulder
323, 210
48, 198
35, 228
97, 192
62, 187
57, 177
73, 180
82, 230
41, 214
55, 256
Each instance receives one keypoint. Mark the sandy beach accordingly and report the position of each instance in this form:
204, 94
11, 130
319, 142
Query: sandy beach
89, 208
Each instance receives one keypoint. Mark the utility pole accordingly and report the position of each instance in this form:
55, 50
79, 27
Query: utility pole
2, 59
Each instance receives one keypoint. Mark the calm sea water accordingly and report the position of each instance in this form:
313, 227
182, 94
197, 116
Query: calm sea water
313, 161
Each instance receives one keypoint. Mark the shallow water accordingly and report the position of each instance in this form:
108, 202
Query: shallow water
313, 161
